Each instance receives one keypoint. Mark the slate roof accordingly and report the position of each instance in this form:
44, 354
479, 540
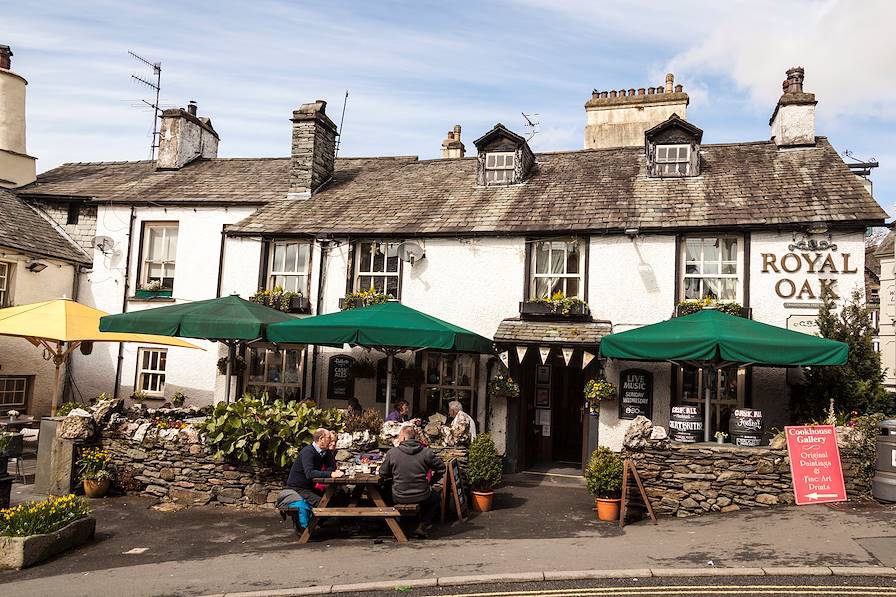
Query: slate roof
743, 184
885, 248
517, 331
24, 229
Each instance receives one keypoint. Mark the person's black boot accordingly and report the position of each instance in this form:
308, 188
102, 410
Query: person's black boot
420, 533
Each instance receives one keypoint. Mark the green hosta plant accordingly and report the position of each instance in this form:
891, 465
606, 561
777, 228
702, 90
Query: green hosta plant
692, 306
603, 475
267, 432
559, 302
485, 467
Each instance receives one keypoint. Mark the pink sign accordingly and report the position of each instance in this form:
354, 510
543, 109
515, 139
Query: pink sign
815, 464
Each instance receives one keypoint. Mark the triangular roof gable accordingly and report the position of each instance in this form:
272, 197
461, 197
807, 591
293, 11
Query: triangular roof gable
667, 127
498, 131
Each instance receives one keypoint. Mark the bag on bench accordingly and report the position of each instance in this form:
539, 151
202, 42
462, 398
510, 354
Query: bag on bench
289, 501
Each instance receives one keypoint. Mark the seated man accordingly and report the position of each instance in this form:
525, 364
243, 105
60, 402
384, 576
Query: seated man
407, 466
314, 462
463, 428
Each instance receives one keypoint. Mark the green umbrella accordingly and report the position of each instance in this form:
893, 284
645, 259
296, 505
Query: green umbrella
390, 327
227, 319
712, 338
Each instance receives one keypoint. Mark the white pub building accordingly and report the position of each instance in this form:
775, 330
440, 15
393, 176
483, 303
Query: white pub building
646, 216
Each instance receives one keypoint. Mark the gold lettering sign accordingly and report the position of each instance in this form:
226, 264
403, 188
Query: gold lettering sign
817, 263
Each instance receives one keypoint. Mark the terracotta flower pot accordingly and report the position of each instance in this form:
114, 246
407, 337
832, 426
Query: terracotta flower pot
608, 508
482, 500
96, 488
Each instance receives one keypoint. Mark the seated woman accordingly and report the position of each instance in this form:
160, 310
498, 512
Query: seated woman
401, 413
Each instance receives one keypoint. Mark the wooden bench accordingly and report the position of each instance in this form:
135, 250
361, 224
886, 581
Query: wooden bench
408, 509
365, 512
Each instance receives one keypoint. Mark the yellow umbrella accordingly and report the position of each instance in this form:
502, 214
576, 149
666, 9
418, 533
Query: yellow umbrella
61, 326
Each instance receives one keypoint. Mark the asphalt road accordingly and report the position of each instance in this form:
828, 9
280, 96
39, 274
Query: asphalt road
770, 586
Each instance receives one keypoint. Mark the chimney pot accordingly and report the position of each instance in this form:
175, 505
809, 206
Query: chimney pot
192, 107
679, 88
793, 120
641, 91
670, 80
631, 92
5, 57
613, 93
452, 148
603, 94
651, 90
794, 81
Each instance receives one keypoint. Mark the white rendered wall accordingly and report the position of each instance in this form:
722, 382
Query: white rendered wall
193, 372
887, 331
17, 355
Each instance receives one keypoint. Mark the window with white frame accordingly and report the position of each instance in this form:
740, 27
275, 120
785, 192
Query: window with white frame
449, 377
276, 371
378, 267
499, 167
151, 371
289, 266
710, 268
672, 160
5, 270
14, 391
557, 266
159, 253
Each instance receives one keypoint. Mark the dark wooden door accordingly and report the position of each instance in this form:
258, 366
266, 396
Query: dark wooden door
566, 410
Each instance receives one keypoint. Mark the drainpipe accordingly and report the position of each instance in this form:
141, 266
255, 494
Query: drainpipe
124, 299
321, 278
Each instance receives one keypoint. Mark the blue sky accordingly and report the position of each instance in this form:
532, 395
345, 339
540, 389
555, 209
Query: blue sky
414, 69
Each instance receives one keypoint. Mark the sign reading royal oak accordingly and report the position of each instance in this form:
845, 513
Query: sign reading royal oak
635, 393
807, 274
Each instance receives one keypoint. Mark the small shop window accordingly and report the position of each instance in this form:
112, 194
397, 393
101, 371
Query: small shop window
499, 166
151, 364
14, 392
729, 393
378, 267
710, 268
290, 266
447, 377
5, 271
159, 253
557, 266
276, 371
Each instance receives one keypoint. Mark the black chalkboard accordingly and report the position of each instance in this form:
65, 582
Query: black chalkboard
341, 384
635, 394
453, 490
634, 501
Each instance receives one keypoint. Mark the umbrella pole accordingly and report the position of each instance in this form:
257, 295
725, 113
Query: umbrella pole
706, 404
56, 385
388, 381
230, 355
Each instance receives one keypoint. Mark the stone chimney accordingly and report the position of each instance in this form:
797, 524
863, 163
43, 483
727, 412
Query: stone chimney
793, 121
313, 149
17, 168
620, 118
185, 137
452, 148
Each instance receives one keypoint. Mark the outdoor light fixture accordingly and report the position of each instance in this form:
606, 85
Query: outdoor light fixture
36, 266
632, 232
817, 228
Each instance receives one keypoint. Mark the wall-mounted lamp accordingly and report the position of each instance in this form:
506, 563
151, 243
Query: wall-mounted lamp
36, 266
632, 232
817, 228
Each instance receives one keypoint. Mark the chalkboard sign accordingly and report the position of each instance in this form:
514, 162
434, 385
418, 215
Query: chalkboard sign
634, 501
341, 382
686, 424
453, 492
635, 394
746, 427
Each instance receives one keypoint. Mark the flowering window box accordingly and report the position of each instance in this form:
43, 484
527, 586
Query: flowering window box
151, 294
547, 309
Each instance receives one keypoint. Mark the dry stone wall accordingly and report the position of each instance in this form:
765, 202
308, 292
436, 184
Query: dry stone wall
690, 479
175, 465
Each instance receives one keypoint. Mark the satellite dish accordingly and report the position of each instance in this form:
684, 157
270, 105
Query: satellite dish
103, 244
410, 252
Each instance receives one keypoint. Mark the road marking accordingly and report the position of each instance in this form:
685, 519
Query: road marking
691, 590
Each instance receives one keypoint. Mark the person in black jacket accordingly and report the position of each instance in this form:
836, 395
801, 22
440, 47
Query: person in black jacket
407, 466
314, 462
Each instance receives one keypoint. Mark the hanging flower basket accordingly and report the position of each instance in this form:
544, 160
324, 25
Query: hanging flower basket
597, 391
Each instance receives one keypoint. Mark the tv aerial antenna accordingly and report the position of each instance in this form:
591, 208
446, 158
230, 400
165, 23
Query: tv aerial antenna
532, 123
154, 85
341, 120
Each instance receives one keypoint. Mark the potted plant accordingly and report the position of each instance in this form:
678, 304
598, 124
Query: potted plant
485, 469
603, 478
95, 469
282, 300
363, 369
34, 531
363, 298
151, 290
597, 391
503, 386
237, 365
139, 396
721, 436
558, 304
13, 415
178, 399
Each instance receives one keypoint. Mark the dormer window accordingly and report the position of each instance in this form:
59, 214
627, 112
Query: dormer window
672, 149
673, 160
499, 167
504, 158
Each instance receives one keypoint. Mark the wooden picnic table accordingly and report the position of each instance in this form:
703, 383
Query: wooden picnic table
363, 484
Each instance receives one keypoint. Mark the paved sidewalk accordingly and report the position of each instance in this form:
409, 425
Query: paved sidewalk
542, 526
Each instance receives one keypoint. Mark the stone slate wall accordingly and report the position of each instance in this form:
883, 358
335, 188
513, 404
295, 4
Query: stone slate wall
82, 232
690, 479
176, 466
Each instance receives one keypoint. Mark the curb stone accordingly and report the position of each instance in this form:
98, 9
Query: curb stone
560, 575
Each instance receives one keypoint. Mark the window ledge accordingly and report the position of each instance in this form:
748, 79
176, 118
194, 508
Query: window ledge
154, 299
